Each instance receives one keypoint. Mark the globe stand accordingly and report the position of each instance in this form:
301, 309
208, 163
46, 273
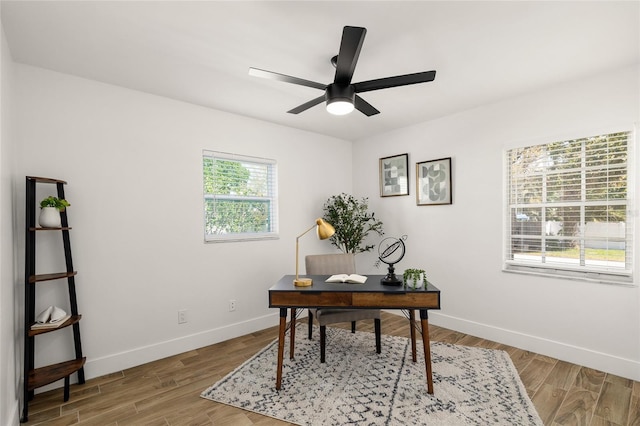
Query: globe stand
390, 278
391, 251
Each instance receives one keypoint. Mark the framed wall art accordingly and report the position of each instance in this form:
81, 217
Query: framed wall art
394, 175
433, 182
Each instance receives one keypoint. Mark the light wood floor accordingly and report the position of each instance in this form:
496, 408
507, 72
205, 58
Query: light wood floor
166, 392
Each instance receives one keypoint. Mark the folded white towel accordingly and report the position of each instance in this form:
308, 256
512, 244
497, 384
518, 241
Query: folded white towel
51, 314
44, 315
57, 314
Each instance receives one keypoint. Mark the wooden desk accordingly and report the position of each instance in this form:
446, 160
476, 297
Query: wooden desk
370, 295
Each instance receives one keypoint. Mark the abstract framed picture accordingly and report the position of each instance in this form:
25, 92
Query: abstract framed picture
394, 175
433, 182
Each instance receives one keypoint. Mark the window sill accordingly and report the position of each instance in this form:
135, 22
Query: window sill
625, 280
235, 239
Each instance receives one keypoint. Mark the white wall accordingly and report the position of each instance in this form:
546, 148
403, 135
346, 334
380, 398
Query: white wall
134, 170
9, 334
460, 245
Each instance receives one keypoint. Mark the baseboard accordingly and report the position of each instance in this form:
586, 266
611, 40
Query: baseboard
97, 367
577, 355
600, 361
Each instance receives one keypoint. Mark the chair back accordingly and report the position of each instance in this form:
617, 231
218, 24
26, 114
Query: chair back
330, 264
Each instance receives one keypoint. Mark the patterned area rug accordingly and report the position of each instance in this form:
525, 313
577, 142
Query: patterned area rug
356, 386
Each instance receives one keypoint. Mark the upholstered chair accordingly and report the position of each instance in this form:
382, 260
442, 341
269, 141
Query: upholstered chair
330, 264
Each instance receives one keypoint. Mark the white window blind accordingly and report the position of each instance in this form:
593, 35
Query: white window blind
568, 208
240, 197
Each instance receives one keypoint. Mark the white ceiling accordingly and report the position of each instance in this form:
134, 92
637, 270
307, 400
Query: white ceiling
200, 51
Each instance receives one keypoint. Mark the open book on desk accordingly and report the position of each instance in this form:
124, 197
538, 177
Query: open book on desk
345, 278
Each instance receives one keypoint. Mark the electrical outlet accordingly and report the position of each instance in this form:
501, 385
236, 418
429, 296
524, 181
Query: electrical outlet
232, 305
182, 316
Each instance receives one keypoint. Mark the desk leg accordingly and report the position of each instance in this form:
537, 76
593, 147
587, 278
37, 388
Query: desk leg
412, 324
292, 334
424, 322
283, 328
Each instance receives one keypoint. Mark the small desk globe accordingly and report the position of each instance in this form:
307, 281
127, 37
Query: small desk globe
391, 251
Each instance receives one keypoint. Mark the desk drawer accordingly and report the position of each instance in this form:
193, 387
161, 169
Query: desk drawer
407, 300
310, 299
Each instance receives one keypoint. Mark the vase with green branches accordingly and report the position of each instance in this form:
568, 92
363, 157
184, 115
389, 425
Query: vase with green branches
352, 221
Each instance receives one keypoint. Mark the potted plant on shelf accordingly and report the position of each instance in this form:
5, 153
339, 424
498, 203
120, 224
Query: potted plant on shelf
352, 221
412, 277
50, 209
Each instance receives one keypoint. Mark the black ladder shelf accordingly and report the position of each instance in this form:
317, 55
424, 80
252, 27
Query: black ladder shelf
41, 376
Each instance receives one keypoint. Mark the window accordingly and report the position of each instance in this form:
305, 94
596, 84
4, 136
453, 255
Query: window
240, 197
568, 208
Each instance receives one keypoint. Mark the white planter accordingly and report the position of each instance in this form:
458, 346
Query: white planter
49, 217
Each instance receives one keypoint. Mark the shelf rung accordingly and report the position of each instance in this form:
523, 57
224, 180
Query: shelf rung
45, 180
73, 320
49, 277
52, 373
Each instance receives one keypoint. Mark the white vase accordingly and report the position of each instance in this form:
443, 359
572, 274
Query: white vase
49, 217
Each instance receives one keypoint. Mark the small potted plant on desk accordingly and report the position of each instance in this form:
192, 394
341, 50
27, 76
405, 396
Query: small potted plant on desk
50, 211
414, 278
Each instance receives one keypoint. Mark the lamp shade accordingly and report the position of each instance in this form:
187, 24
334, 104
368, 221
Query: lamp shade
324, 229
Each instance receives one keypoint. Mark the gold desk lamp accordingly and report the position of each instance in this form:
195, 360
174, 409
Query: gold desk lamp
324, 230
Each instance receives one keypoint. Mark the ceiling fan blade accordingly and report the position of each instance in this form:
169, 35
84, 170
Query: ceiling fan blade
399, 80
305, 106
286, 78
352, 39
365, 107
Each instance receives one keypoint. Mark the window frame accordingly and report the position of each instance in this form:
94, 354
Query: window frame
271, 198
556, 269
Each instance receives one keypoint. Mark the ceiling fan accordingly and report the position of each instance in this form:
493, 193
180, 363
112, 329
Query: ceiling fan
341, 95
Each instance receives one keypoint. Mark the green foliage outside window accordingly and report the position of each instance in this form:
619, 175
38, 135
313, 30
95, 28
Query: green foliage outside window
558, 169
237, 197
568, 200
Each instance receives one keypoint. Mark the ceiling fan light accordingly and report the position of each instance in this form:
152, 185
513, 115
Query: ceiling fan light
339, 107
340, 98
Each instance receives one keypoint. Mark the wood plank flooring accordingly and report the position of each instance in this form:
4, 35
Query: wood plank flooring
166, 392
